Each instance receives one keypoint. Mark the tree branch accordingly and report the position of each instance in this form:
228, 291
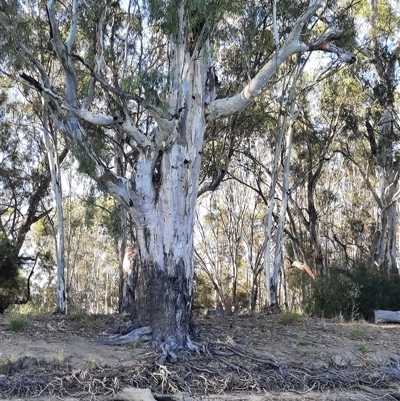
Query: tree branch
214, 184
325, 44
72, 32
99, 58
62, 53
228, 106
366, 179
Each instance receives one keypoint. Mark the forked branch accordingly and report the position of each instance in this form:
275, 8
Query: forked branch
228, 106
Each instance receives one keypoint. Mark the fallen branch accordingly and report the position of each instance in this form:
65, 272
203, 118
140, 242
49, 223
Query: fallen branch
386, 316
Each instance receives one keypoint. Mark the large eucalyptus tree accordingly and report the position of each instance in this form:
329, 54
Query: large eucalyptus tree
147, 73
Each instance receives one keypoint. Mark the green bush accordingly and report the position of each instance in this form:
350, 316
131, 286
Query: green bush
18, 322
288, 316
4, 365
352, 293
10, 280
357, 331
135, 344
301, 338
327, 296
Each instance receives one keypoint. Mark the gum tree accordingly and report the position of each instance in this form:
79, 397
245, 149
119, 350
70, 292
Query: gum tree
382, 128
24, 188
371, 126
159, 91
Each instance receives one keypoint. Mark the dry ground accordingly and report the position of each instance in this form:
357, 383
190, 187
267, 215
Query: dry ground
264, 357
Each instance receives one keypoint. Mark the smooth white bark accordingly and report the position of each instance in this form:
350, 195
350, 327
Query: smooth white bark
285, 192
50, 141
271, 206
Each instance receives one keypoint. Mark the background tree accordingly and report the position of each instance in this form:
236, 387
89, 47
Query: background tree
229, 247
91, 268
382, 129
24, 183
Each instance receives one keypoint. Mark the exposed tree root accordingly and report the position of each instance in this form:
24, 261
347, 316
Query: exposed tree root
171, 347
137, 334
220, 368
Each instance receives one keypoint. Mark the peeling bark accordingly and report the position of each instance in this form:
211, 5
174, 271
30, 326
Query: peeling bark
128, 268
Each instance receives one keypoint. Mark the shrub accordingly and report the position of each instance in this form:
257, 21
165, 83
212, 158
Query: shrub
328, 296
10, 280
352, 293
290, 316
135, 344
301, 338
364, 348
80, 320
357, 331
4, 365
18, 322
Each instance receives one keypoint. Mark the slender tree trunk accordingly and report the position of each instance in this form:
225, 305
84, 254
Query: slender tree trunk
129, 272
234, 303
124, 299
106, 294
271, 206
285, 196
50, 140
313, 221
254, 291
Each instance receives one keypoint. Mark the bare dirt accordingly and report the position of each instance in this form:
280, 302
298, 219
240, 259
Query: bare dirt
264, 357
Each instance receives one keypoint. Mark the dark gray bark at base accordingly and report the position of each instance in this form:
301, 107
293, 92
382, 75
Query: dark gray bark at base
167, 294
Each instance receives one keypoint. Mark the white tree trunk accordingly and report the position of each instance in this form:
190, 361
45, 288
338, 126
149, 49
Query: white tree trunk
383, 252
126, 296
285, 195
271, 206
166, 218
50, 140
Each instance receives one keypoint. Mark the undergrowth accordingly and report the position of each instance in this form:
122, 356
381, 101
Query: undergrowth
135, 344
80, 320
357, 330
17, 322
288, 316
352, 291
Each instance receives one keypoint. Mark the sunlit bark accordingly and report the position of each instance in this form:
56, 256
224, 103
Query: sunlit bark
50, 140
285, 190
